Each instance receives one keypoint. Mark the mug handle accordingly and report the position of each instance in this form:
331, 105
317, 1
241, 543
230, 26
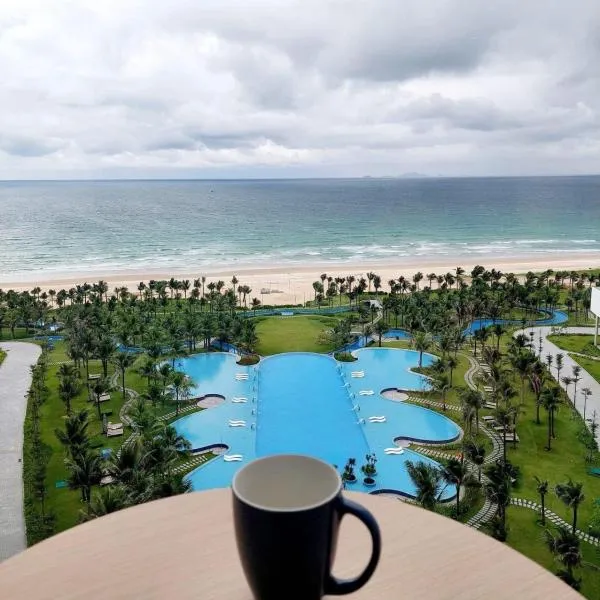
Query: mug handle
338, 587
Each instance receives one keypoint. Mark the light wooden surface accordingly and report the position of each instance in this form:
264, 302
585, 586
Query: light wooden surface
184, 547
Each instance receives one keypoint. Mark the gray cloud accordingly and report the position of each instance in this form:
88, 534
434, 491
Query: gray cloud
302, 87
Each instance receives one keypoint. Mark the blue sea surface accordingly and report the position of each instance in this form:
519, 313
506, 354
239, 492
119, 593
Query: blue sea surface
52, 229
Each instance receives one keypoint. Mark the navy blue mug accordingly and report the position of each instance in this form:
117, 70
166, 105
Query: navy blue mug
287, 511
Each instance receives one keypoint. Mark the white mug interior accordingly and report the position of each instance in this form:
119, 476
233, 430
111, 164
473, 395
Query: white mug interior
287, 483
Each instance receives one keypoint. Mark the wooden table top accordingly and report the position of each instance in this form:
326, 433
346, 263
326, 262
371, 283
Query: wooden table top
184, 547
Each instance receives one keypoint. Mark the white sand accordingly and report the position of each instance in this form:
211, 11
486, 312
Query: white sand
294, 282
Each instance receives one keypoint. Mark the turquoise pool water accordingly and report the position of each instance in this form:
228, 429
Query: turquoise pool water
311, 404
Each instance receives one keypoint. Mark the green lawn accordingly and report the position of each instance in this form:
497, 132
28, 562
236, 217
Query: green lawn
292, 334
20, 333
590, 365
576, 343
63, 502
526, 535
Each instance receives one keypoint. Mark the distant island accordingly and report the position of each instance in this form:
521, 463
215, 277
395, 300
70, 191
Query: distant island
411, 175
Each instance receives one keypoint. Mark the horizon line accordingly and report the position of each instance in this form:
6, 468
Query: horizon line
297, 178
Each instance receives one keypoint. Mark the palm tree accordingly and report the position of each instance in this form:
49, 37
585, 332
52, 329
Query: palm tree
451, 363
551, 401
380, 328
85, 471
456, 473
476, 454
428, 481
565, 547
68, 386
108, 500
542, 489
575, 379
104, 350
181, 386
473, 399
497, 490
74, 437
571, 494
123, 360
522, 363
559, 364
505, 418
586, 392
422, 343
440, 385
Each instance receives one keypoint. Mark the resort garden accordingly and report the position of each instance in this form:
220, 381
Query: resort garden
106, 389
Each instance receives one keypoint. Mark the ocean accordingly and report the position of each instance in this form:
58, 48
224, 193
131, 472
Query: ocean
54, 229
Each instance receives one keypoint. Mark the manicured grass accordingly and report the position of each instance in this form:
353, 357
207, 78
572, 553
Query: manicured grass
566, 459
65, 503
293, 334
576, 343
20, 333
526, 536
590, 365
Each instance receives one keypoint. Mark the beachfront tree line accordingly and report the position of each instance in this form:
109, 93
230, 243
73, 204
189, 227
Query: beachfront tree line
547, 287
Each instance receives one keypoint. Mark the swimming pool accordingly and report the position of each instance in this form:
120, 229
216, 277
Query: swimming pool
311, 404
556, 317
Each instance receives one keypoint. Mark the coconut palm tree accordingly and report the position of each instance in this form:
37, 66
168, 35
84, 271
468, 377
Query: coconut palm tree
559, 364
422, 342
542, 487
428, 480
475, 452
571, 494
564, 545
575, 379
122, 361
74, 437
107, 500
451, 363
497, 490
182, 385
440, 385
104, 350
84, 472
380, 328
586, 392
505, 418
456, 473
473, 399
551, 401
68, 386
522, 363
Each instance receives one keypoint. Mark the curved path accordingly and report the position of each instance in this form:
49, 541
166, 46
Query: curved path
554, 519
15, 380
587, 381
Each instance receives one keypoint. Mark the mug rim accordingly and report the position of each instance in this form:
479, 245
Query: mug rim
262, 507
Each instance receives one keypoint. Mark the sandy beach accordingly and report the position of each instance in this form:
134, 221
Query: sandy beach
292, 284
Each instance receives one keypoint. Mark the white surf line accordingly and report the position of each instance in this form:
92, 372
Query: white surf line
232, 457
394, 451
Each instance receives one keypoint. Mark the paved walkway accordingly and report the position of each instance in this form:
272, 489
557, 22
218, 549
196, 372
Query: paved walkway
15, 380
587, 381
554, 519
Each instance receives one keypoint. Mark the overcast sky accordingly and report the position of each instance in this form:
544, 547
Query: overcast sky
224, 88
